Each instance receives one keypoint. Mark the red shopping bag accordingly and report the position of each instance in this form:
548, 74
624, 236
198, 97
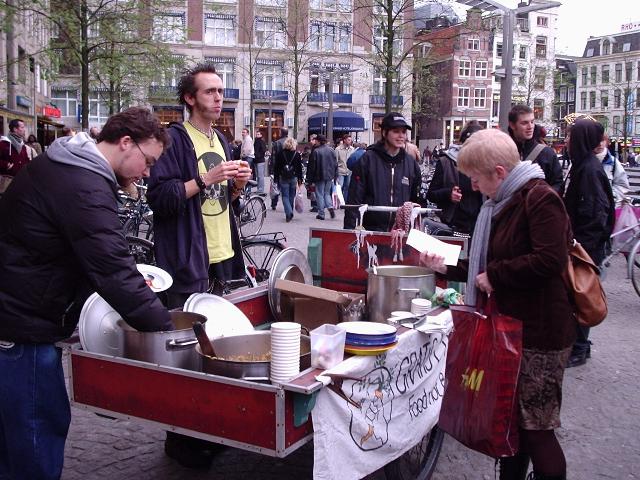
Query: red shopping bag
479, 407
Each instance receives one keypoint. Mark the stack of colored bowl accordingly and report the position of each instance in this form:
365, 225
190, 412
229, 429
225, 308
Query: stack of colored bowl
368, 338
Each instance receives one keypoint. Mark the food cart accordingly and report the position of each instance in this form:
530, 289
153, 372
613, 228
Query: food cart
268, 419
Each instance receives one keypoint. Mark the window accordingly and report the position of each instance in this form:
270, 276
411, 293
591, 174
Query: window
380, 40
272, 3
618, 72
169, 77
541, 47
98, 107
585, 73
380, 80
637, 130
538, 109
463, 96
226, 70
628, 67
626, 47
522, 78
342, 5
539, 78
594, 75
523, 52
220, 30
617, 95
605, 74
604, 99
638, 71
269, 77
589, 52
606, 47
543, 21
319, 82
315, 34
637, 97
571, 94
583, 100
169, 27
616, 125
66, 101
344, 38
480, 97
473, 44
562, 94
330, 37
499, 49
464, 70
481, 69
592, 100
269, 33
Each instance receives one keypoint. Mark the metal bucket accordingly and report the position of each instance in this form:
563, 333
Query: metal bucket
172, 349
393, 287
253, 345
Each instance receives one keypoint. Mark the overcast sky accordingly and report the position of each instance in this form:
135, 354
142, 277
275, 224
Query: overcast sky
579, 19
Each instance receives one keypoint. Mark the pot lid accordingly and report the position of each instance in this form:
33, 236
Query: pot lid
158, 280
290, 264
98, 327
224, 319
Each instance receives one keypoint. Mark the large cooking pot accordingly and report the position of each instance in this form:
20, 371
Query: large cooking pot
173, 348
392, 287
247, 356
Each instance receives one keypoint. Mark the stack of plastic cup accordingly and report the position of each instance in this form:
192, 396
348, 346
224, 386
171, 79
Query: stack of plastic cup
285, 351
420, 306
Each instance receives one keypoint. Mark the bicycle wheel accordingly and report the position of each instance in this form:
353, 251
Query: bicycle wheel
419, 462
252, 216
633, 266
261, 255
142, 250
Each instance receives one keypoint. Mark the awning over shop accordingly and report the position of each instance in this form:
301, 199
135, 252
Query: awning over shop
342, 122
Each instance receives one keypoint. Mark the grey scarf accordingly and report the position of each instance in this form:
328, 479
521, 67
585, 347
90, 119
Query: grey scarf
16, 142
514, 181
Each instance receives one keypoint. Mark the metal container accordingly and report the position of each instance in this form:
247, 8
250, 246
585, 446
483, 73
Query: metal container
392, 288
254, 345
175, 348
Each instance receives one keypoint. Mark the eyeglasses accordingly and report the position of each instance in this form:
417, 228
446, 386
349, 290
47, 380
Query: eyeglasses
150, 161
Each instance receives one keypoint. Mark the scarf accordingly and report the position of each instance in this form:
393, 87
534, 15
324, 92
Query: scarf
16, 142
514, 181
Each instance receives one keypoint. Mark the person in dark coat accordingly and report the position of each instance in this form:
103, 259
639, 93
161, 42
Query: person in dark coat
277, 146
518, 253
451, 190
323, 175
60, 241
193, 194
522, 130
384, 176
260, 149
591, 207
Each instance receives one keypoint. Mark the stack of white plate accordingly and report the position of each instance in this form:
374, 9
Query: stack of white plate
224, 319
285, 351
420, 306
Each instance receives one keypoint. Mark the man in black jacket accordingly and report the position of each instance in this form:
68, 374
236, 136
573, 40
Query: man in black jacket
323, 175
521, 129
384, 176
60, 239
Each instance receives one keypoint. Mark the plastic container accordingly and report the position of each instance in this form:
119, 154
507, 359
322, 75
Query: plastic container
327, 346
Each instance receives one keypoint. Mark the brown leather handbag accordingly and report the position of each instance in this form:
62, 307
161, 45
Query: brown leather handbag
582, 280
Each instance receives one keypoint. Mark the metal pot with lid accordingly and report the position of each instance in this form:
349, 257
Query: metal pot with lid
392, 287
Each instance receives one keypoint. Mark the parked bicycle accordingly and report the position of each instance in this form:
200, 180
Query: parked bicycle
136, 215
252, 213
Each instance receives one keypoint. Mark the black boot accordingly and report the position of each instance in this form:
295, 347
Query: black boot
514, 468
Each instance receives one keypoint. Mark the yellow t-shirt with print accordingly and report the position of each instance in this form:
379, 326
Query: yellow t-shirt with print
215, 215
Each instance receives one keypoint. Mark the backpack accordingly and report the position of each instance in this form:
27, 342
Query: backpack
287, 172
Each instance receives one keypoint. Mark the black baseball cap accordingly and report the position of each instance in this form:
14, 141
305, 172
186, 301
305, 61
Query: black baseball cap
394, 120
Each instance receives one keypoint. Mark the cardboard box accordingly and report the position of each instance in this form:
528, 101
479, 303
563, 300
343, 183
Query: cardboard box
315, 306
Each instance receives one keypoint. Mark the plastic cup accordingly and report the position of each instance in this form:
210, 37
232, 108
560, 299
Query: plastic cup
327, 346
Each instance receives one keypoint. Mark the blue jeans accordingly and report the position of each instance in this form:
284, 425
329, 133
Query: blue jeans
344, 181
260, 175
34, 412
323, 196
288, 192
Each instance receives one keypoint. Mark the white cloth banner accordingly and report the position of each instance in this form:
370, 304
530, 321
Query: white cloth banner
399, 394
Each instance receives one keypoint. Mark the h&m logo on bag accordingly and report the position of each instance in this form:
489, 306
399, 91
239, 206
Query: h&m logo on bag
472, 380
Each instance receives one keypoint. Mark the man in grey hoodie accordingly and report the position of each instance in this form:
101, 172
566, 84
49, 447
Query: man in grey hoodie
61, 239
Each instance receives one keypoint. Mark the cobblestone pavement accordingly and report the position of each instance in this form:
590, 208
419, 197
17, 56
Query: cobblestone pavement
600, 421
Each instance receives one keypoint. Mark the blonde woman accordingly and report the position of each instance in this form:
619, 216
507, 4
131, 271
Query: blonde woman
287, 172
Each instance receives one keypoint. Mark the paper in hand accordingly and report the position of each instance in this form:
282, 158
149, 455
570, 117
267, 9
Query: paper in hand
426, 243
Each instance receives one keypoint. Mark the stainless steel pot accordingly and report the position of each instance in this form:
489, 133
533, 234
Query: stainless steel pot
393, 287
230, 350
173, 349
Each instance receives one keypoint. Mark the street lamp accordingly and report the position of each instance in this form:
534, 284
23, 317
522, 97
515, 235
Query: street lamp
508, 23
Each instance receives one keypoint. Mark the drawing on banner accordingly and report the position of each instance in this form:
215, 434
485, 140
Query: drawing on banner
369, 425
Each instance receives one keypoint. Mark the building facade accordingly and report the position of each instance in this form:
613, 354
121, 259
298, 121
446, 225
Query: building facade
564, 102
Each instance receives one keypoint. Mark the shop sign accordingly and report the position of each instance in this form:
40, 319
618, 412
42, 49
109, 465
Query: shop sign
23, 101
635, 142
51, 111
628, 27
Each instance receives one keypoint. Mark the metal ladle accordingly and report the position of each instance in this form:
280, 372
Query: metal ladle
203, 340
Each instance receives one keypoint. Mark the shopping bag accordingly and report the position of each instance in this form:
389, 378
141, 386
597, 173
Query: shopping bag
274, 191
298, 202
625, 218
479, 408
339, 195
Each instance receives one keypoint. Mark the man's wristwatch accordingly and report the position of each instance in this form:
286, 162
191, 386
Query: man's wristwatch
200, 182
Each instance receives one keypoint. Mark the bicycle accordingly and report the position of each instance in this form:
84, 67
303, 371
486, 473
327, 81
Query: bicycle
252, 212
141, 250
135, 214
260, 251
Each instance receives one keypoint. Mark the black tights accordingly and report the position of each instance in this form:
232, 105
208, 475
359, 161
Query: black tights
545, 451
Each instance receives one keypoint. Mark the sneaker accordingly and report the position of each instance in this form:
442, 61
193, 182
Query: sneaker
318, 217
577, 359
314, 210
332, 213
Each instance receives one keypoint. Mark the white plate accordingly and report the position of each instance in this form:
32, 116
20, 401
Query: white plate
367, 328
157, 279
224, 319
98, 328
